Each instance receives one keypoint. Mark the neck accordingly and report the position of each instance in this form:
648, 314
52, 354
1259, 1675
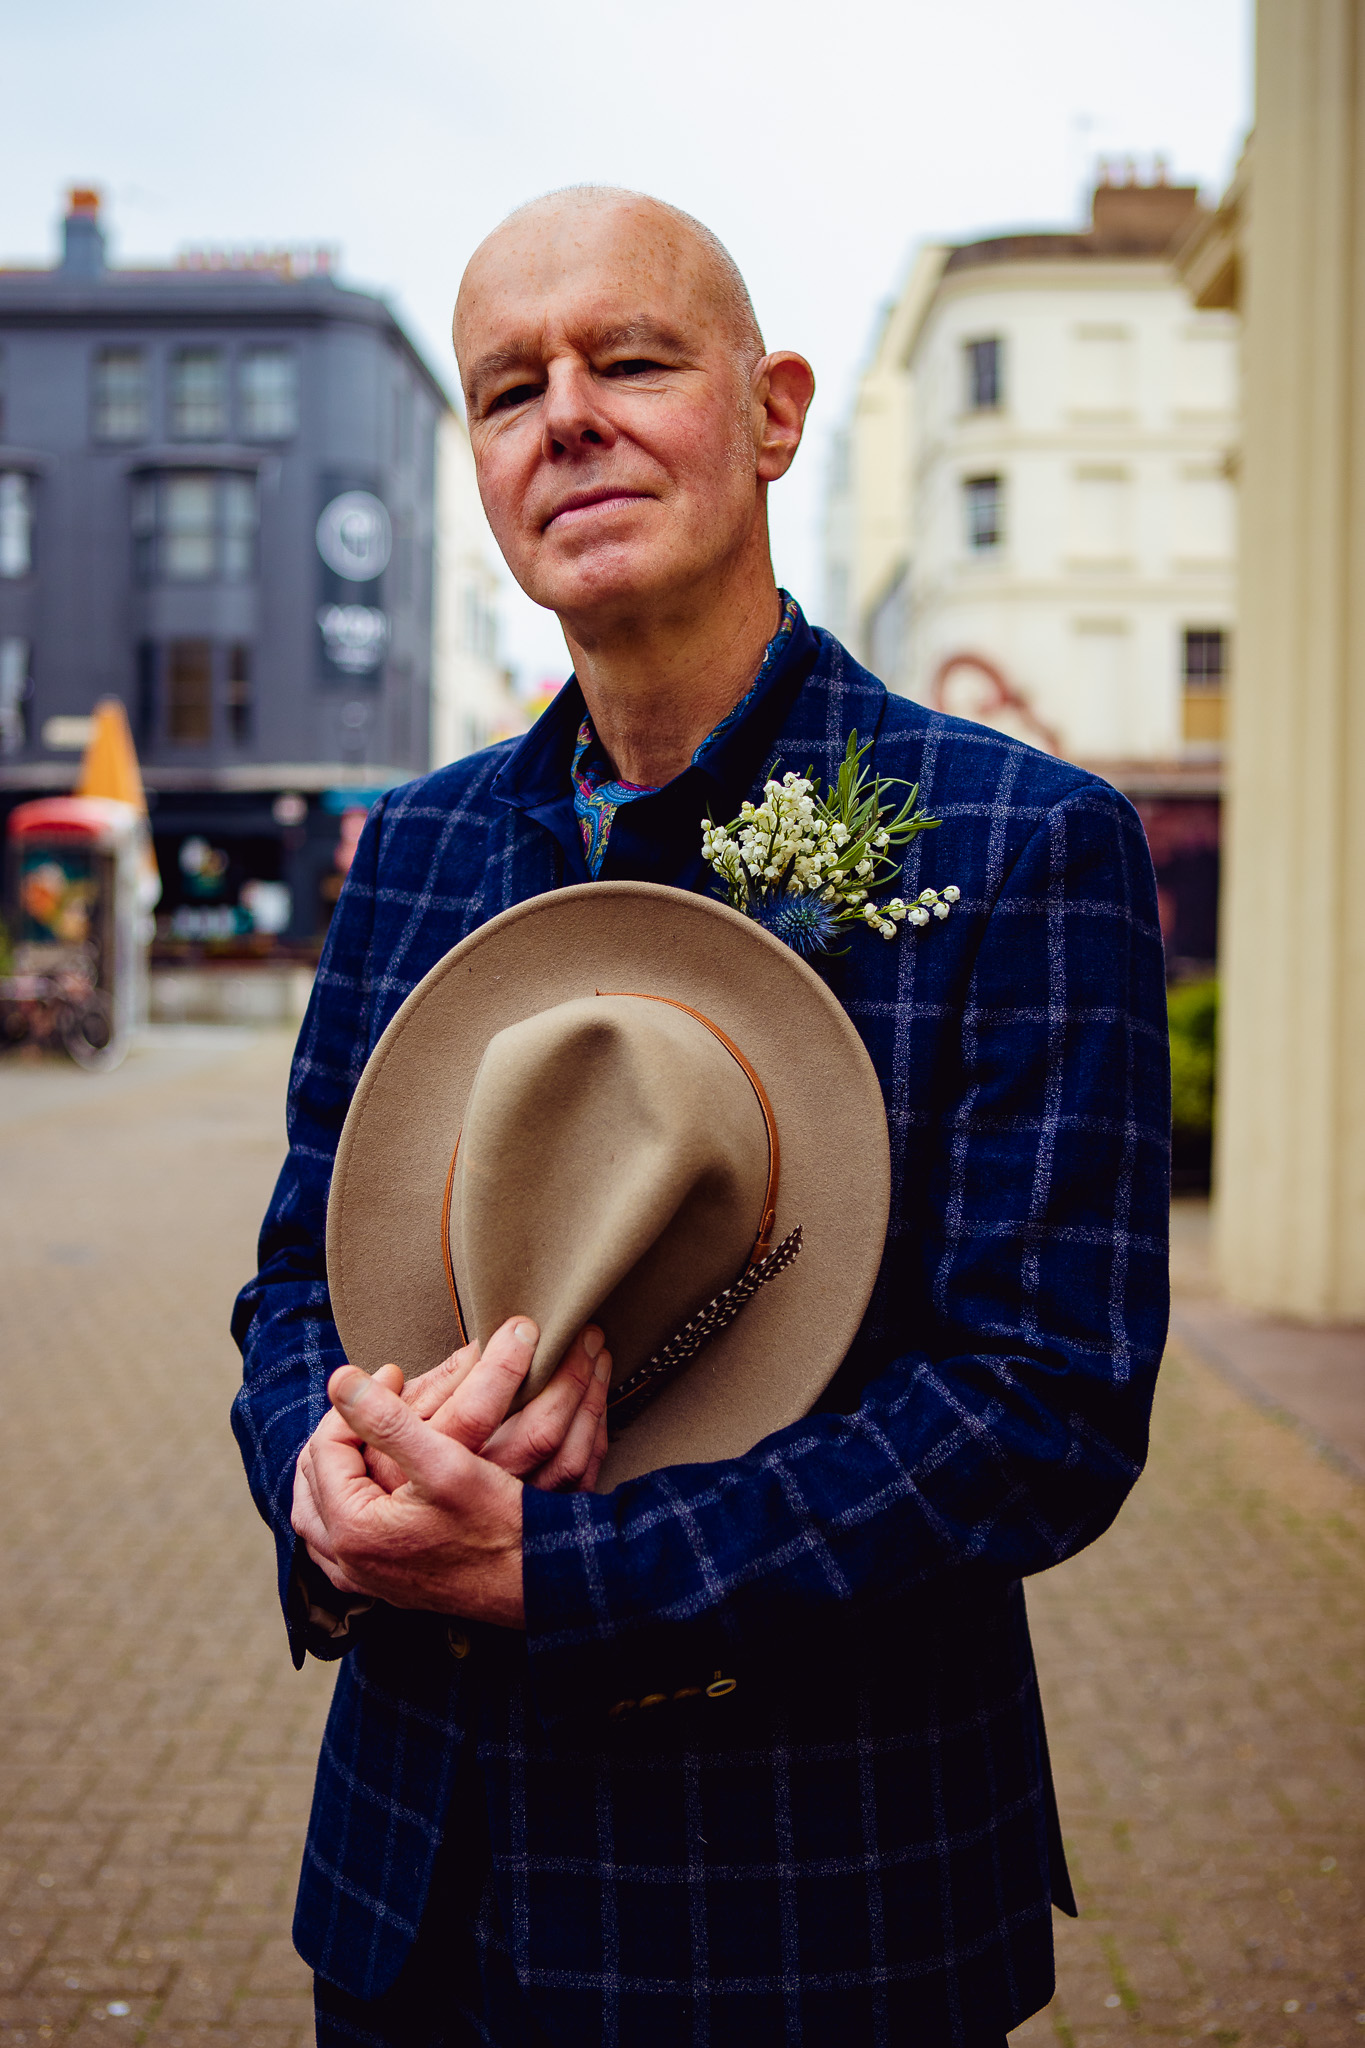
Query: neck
657, 684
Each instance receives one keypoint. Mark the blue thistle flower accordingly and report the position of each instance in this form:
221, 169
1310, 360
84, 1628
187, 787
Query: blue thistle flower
802, 922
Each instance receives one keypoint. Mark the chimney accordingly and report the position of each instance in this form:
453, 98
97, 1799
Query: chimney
82, 235
1136, 219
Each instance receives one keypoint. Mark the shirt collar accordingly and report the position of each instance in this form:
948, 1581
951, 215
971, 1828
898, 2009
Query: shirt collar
535, 775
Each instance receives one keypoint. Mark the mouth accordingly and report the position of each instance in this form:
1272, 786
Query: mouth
607, 497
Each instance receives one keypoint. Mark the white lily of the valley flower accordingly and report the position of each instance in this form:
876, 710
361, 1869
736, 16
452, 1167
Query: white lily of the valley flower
796, 843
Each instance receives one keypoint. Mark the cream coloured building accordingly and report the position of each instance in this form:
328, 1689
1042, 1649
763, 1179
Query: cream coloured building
472, 702
1034, 523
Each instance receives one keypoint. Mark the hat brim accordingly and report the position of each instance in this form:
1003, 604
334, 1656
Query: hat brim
385, 1265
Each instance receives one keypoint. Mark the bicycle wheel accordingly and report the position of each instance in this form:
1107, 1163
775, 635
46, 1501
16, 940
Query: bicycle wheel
89, 1036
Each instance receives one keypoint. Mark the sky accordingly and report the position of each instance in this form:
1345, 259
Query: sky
822, 143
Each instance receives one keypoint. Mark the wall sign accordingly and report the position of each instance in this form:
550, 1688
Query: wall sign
355, 637
355, 537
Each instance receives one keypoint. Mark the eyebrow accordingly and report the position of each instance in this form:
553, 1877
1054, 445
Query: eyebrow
644, 333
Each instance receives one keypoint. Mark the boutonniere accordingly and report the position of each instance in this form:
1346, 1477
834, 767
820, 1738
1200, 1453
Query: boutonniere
804, 866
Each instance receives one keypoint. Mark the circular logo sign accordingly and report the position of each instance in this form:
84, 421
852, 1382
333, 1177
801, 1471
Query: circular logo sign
354, 536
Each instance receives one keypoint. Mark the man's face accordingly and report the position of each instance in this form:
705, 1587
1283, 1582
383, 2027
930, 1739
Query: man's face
611, 413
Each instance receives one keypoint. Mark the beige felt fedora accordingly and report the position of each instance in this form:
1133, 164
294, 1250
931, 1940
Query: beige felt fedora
625, 1104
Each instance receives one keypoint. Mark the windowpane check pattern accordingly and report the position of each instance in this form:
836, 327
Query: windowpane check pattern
983, 498
268, 394
121, 405
985, 366
859, 1852
199, 409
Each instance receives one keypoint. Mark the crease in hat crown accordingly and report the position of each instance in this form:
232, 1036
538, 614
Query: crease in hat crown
612, 1167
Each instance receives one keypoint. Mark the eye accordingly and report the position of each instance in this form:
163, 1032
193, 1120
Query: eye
516, 394
635, 366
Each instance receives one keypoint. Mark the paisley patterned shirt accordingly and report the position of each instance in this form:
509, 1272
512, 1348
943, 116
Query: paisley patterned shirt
598, 792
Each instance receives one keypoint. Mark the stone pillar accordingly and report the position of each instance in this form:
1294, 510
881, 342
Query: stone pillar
1290, 1178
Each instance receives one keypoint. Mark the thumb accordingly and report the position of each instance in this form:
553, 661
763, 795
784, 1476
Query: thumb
379, 1418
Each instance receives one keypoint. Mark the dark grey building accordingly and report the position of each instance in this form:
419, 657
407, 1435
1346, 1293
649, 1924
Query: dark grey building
217, 495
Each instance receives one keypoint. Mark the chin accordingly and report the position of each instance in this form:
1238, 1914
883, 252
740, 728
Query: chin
609, 578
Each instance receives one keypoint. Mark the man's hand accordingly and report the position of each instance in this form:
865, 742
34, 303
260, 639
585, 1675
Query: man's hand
393, 1499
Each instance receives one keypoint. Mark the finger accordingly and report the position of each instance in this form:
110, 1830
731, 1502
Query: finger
483, 1397
327, 1564
429, 1461
565, 1469
425, 1394
599, 1452
390, 1376
532, 1436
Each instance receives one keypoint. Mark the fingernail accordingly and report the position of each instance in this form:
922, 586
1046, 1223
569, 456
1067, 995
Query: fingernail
526, 1333
602, 1369
592, 1342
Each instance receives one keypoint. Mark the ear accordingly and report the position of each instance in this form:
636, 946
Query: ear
783, 387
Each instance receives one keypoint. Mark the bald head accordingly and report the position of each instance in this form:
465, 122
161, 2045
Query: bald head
650, 236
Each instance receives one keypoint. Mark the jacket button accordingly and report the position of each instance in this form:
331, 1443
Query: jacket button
653, 1699
457, 1642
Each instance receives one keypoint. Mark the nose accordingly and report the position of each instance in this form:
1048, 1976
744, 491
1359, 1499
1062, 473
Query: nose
572, 421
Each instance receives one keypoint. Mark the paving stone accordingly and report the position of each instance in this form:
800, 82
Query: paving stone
1201, 1665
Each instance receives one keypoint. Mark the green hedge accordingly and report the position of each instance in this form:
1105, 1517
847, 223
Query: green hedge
1192, 1012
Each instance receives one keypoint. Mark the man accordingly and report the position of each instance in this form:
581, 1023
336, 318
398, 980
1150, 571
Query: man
854, 1838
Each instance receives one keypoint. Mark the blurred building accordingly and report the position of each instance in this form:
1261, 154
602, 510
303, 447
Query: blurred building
472, 701
218, 502
1287, 249
1034, 523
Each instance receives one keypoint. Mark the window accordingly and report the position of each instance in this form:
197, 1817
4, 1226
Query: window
198, 395
985, 386
189, 692
268, 394
1206, 655
120, 409
239, 695
195, 526
13, 690
1204, 674
1101, 514
188, 537
984, 501
237, 509
16, 523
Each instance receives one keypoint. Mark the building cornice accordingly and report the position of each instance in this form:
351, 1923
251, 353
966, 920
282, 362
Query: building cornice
165, 301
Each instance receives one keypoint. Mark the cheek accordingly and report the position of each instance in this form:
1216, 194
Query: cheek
504, 473
710, 456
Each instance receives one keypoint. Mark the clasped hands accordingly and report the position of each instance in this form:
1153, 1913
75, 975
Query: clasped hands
411, 1492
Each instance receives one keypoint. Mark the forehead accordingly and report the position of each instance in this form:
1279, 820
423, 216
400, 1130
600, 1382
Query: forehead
560, 274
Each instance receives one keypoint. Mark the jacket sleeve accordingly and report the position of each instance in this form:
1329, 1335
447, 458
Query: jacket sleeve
282, 1320
1026, 1298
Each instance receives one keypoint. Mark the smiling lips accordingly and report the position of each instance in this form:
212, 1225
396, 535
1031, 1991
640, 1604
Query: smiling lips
591, 501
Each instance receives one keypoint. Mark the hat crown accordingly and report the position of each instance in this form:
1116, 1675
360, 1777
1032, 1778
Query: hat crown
612, 1167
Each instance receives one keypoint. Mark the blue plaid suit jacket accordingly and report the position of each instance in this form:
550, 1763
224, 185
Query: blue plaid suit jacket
854, 1841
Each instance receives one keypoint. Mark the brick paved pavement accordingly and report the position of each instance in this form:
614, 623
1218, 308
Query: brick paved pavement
1202, 1665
